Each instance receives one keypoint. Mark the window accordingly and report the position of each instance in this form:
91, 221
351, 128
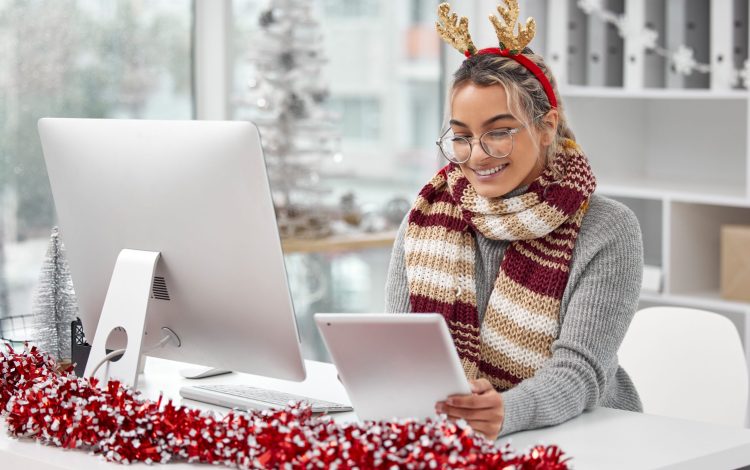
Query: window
382, 77
350, 9
422, 11
359, 117
74, 58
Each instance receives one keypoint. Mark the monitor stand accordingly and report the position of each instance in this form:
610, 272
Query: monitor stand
124, 308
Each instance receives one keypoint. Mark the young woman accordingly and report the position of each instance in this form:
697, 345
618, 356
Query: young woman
537, 276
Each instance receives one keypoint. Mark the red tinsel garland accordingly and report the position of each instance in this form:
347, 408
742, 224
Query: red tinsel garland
71, 412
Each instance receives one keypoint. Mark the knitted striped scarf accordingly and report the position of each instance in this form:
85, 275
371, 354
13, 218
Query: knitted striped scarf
542, 224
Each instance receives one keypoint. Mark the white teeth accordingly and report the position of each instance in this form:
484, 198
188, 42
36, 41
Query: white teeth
491, 170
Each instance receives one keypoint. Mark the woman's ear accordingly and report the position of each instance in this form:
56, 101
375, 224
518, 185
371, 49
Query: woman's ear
549, 122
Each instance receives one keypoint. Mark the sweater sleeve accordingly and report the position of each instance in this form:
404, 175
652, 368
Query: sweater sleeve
396, 287
599, 310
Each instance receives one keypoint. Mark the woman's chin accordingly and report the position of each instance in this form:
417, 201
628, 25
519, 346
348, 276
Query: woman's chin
493, 185
492, 191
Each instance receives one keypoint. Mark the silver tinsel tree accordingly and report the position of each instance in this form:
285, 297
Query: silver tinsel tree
286, 98
54, 304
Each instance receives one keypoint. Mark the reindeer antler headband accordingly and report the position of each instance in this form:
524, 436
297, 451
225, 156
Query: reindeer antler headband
455, 32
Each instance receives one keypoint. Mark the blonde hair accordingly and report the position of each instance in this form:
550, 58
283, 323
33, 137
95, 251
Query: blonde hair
525, 94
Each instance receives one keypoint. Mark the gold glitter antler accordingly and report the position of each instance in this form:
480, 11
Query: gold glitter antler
454, 31
508, 39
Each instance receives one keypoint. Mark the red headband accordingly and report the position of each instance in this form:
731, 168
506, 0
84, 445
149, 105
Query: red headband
526, 62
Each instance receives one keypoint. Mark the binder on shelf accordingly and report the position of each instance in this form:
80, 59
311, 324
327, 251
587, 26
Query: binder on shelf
740, 37
688, 25
605, 49
577, 44
536, 9
615, 48
596, 70
634, 55
643, 68
655, 66
722, 63
557, 39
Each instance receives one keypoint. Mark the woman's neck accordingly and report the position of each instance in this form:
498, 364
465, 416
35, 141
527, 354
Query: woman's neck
516, 192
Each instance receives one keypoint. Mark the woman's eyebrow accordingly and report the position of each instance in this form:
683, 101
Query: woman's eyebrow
456, 122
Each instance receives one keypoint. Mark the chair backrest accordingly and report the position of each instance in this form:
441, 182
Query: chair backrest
687, 363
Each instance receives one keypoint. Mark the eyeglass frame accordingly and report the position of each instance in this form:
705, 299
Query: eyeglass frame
510, 131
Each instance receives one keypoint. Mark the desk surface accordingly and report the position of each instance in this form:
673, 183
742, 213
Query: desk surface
600, 439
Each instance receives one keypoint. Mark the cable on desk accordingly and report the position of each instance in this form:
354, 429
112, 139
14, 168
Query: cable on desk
171, 335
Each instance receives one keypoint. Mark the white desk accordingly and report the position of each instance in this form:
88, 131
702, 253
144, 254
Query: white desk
601, 439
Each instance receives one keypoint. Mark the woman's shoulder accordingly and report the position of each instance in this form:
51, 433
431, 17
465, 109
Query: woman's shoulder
609, 215
610, 236
608, 221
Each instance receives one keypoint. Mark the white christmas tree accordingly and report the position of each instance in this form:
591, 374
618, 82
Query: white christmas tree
286, 99
54, 304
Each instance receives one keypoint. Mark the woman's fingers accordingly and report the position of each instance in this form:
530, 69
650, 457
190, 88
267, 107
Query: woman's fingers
486, 399
470, 415
483, 410
481, 386
482, 414
478, 399
489, 428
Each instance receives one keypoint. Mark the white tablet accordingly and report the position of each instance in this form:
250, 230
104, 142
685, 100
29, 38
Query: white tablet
393, 365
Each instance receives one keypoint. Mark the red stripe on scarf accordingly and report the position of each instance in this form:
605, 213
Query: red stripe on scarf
535, 277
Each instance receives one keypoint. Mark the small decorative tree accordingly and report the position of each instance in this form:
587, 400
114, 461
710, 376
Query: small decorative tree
54, 304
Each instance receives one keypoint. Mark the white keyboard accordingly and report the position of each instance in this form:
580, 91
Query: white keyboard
245, 397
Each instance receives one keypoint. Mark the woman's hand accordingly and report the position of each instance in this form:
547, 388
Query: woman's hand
483, 409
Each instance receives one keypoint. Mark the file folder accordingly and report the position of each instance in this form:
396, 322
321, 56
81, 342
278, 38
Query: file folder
688, 24
557, 39
605, 47
536, 9
740, 37
654, 65
643, 68
722, 38
577, 44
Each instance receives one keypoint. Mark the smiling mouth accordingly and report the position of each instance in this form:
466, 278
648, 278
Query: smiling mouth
490, 171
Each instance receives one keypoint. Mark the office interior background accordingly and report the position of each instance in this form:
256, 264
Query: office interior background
665, 137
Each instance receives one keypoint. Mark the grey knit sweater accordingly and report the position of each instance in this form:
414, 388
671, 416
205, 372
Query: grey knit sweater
597, 307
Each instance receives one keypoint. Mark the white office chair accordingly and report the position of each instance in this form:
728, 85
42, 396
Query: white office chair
687, 363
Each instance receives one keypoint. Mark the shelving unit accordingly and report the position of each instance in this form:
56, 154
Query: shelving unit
678, 157
683, 170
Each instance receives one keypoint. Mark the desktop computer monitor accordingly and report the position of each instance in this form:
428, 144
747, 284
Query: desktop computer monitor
174, 220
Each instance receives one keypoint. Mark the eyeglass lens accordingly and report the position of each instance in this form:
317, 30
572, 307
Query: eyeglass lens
497, 144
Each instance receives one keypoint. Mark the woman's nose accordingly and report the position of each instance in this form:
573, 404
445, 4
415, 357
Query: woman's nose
477, 152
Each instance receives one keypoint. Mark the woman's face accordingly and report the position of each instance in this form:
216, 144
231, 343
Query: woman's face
478, 109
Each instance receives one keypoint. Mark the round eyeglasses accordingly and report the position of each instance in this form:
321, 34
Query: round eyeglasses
496, 143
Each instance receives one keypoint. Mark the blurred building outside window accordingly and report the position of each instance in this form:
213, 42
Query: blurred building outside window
384, 79
74, 58
134, 59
